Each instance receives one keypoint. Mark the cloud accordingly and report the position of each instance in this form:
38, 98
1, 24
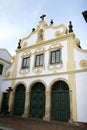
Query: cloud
7, 30
17, 18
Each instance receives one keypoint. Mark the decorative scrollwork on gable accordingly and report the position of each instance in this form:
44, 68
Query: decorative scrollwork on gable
58, 33
38, 70
24, 71
26, 53
55, 68
24, 44
39, 50
83, 63
55, 46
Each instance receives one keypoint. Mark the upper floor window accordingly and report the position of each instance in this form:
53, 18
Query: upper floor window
25, 62
1, 68
39, 60
55, 56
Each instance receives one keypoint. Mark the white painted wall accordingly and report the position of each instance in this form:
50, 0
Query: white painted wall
5, 59
4, 54
79, 55
46, 60
81, 91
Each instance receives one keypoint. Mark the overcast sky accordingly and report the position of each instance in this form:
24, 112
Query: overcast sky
18, 17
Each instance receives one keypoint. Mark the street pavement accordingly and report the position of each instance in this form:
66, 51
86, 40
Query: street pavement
17, 123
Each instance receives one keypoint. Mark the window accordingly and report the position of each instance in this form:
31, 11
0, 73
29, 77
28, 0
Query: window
39, 60
1, 68
55, 57
25, 62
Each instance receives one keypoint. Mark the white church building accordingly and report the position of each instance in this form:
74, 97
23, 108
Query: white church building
48, 75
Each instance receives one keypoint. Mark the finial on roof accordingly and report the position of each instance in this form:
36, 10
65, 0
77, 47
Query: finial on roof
42, 17
70, 27
85, 15
51, 22
19, 46
33, 29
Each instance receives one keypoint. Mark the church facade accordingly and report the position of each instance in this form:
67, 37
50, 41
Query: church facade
48, 76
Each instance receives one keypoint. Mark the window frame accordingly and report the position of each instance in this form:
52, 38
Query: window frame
27, 61
40, 61
56, 60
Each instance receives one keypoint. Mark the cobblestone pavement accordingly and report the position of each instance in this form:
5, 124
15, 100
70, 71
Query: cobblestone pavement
15, 123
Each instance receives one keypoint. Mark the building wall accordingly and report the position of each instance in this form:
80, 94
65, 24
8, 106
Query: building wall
81, 90
5, 60
72, 69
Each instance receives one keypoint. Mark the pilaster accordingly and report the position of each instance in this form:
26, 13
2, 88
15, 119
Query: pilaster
47, 106
71, 77
27, 104
14, 74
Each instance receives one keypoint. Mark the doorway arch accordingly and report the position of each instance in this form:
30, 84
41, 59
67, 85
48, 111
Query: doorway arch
60, 101
37, 101
19, 100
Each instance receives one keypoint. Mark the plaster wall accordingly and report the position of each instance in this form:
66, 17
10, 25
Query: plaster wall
81, 90
79, 55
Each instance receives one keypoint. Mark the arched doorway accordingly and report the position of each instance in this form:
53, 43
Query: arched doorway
37, 101
60, 101
19, 100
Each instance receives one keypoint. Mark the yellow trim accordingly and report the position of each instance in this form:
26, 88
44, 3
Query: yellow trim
55, 46
83, 63
58, 79
48, 42
76, 42
36, 81
51, 74
18, 83
26, 54
45, 26
71, 77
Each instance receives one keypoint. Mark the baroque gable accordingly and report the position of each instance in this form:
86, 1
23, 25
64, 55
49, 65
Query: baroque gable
43, 33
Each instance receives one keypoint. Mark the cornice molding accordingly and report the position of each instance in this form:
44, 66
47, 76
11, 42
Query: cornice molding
55, 46
24, 71
48, 42
26, 53
51, 74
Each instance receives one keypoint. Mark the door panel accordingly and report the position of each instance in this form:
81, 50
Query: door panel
60, 103
19, 101
37, 102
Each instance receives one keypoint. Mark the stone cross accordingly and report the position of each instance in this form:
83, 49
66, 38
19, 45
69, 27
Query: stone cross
42, 17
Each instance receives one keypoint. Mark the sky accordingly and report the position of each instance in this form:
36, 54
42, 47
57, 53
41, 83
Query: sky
18, 17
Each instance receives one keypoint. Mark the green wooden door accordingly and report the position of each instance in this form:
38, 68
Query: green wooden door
60, 102
4, 106
19, 100
37, 101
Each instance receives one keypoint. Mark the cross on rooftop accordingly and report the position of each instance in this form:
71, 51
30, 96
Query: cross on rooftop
42, 17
